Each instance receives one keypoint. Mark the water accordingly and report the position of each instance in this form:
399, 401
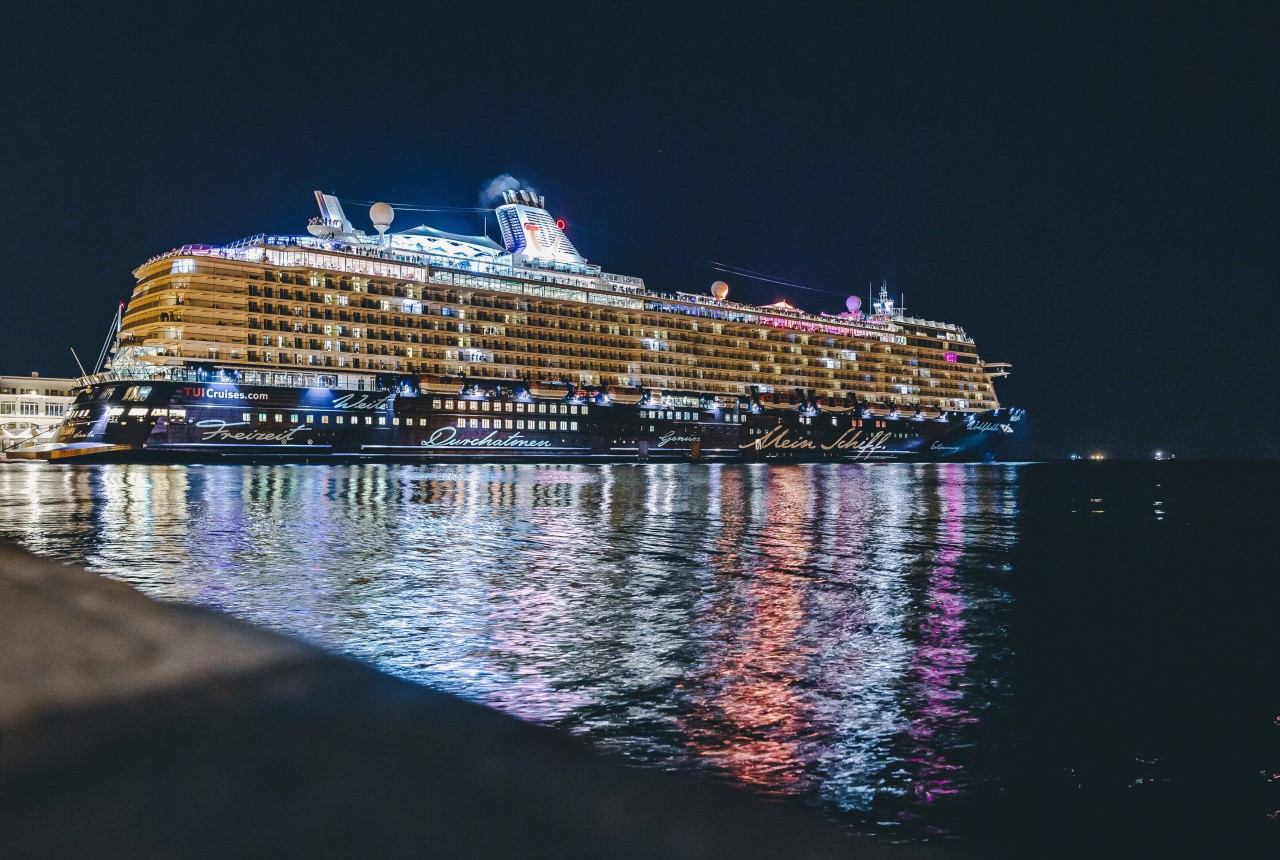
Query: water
1002, 656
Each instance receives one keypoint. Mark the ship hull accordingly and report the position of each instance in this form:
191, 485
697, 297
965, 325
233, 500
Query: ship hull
181, 422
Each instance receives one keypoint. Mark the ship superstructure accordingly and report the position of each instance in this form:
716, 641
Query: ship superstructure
420, 312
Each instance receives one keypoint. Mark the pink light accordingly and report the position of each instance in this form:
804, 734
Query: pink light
950, 356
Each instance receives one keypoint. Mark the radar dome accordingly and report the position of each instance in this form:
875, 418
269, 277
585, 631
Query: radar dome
720, 290
853, 303
381, 215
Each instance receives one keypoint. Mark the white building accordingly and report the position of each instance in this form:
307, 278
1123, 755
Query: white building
31, 407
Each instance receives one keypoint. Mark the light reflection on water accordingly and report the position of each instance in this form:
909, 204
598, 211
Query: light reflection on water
830, 632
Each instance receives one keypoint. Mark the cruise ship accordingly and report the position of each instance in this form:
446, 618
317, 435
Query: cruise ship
426, 345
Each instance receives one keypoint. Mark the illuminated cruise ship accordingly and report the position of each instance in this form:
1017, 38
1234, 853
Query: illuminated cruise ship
429, 345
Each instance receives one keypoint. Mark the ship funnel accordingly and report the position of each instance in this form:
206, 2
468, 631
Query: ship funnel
529, 230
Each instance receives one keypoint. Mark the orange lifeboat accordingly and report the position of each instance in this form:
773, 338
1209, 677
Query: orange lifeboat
548, 390
440, 384
779, 400
836, 404
624, 395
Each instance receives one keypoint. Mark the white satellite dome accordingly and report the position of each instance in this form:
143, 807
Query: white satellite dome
381, 214
853, 303
720, 290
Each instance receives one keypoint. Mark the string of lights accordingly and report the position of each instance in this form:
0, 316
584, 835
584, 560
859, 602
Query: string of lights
714, 265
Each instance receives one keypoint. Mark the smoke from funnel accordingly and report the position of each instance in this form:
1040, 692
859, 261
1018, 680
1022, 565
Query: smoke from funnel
491, 191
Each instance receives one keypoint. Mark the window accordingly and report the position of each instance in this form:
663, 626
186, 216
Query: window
340, 419
246, 417
474, 422
6, 408
520, 424
293, 418
448, 404
462, 422
324, 419
53, 409
137, 392
262, 416
484, 423
435, 403
573, 425
542, 425
509, 422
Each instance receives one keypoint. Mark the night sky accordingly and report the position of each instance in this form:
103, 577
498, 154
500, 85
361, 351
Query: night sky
1091, 192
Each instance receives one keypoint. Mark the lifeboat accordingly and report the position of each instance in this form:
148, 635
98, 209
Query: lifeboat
906, 410
779, 400
879, 410
624, 395
548, 390
836, 404
440, 384
930, 413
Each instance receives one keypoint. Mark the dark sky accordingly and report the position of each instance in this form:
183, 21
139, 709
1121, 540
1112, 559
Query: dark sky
1090, 191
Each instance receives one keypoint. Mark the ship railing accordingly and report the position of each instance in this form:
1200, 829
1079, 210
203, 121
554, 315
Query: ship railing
232, 376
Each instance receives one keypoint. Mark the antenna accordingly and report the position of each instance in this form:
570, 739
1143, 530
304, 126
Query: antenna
83, 372
111, 333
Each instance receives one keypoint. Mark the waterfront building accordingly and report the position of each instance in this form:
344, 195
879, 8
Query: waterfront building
31, 408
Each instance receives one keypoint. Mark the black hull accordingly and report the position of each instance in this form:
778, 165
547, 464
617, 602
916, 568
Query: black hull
181, 422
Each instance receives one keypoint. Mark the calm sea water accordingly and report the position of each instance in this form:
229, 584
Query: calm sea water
990, 654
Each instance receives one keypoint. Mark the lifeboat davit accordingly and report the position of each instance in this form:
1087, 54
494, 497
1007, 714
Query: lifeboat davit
624, 395
440, 384
779, 400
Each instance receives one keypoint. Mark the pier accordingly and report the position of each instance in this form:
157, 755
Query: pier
130, 728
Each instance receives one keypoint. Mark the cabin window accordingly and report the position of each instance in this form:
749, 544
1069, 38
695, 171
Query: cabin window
382, 422
507, 406
340, 419
435, 403
462, 422
564, 425
485, 406
520, 424
484, 423
324, 419
293, 418
519, 407
368, 419
542, 425
246, 417
509, 422
448, 404
573, 425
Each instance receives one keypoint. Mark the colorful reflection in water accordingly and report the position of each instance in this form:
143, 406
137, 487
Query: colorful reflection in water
833, 633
